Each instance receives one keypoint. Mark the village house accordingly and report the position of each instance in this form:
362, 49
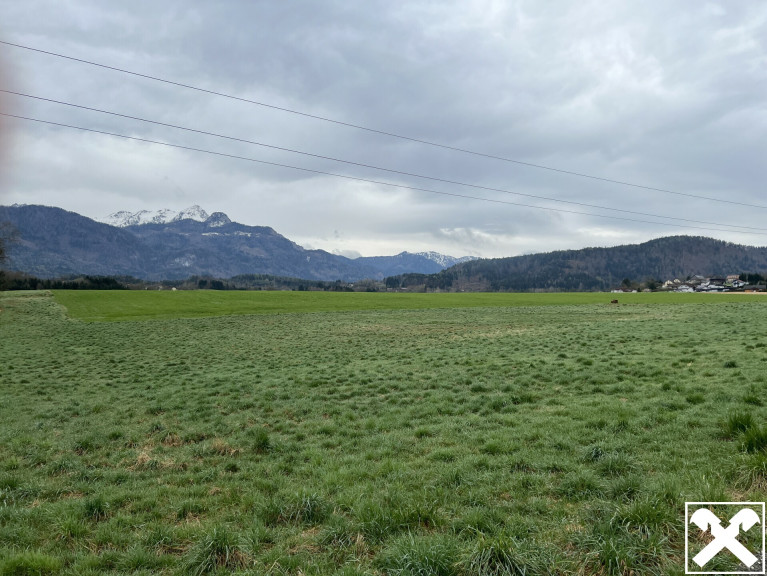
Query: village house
700, 283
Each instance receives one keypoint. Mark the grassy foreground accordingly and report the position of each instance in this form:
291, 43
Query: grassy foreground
367, 434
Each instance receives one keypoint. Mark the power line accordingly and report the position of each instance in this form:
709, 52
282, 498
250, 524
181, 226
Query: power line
383, 132
371, 181
341, 160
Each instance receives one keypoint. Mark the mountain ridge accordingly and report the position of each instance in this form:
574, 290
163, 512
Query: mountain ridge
427, 262
175, 245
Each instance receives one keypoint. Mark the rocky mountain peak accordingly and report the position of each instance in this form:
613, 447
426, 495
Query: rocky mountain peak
217, 219
192, 213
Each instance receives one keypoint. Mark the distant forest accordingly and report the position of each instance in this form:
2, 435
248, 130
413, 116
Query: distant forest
20, 281
595, 269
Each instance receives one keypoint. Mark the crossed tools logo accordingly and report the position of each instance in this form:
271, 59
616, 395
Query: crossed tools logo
724, 538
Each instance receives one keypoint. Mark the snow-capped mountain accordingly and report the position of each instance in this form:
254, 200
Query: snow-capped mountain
442, 259
405, 262
124, 218
176, 244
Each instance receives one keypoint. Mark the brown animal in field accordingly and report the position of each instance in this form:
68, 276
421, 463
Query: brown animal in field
613, 301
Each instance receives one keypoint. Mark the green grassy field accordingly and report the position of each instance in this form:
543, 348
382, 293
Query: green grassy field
314, 433
149, 305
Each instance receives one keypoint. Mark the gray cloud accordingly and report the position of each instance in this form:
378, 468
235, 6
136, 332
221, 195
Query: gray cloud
665, 94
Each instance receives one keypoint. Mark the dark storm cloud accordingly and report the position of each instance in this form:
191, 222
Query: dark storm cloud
665, 94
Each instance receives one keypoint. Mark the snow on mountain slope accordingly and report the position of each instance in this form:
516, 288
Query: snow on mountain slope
192, 213
443, 260
124, 218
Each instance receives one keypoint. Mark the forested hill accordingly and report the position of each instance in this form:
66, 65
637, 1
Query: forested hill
596, 268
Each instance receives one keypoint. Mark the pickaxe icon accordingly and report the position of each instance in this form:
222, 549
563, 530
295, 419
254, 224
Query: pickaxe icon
724, 537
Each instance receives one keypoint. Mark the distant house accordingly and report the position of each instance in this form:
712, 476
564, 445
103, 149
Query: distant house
734, 281
711, 285
695, 280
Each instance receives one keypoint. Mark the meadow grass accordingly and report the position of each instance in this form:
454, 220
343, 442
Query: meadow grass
102, 305
363, 434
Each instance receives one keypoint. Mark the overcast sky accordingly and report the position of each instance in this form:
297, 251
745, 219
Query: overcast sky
664, 94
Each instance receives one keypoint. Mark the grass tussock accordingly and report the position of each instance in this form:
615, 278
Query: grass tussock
420, 555
755, 439
737, 423
217, 548
30, 563
505, 556
304, 508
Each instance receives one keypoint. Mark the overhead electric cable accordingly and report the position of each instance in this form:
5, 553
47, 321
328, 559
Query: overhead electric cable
401, 172
369, 180
382, 132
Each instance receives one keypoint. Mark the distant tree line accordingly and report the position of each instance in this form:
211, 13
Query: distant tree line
440, 281
269, 282
19, 281
450, 280
496, 278
753, 278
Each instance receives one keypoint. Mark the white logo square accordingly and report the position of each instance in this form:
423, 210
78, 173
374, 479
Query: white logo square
734, 529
